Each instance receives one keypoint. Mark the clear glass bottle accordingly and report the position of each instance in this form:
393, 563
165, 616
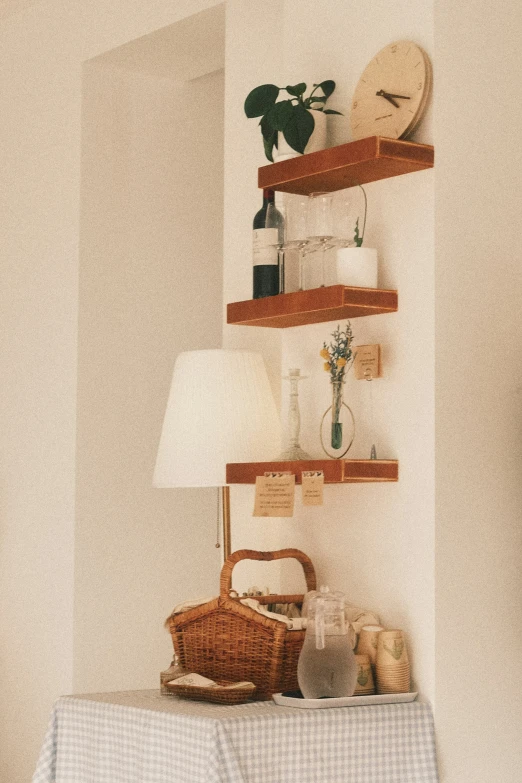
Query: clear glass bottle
327, 665
174, 671
293, 450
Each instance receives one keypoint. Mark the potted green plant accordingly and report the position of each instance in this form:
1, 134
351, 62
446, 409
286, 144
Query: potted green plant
356, 265
295, 117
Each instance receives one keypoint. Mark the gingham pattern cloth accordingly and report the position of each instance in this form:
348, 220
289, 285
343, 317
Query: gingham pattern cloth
144, 737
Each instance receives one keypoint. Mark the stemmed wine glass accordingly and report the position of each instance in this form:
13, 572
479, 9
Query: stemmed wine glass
320, 226
348, 206
296, 210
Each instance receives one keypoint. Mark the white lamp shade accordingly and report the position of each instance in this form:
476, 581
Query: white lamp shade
220, 410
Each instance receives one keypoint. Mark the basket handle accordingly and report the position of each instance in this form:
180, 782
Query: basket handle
225, 582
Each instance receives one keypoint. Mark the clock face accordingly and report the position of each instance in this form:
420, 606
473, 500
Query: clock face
392, 92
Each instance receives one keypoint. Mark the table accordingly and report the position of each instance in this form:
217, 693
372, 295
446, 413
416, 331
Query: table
145, 737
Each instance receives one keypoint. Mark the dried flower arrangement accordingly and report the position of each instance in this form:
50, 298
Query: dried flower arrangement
338, 354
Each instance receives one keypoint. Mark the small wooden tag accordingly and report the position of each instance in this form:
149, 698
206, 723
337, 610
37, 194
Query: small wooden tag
312, 487
367, 362
275, 494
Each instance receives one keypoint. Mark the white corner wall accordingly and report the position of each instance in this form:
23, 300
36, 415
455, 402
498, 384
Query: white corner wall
42, 52
478, 402
150, 287
383, 552
253, 56
375, 541
378, 543
39, 166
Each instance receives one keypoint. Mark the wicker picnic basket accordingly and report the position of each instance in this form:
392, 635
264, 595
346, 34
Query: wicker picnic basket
224, 640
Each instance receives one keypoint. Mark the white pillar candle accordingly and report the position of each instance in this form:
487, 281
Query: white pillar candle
357, 266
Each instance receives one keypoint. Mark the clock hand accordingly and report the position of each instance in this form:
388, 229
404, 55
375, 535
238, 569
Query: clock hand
385, 95
391, 95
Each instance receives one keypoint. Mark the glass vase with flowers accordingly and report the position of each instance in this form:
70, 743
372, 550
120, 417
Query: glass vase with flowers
338, 356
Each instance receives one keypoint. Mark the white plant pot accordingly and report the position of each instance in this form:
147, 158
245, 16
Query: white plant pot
317, 140
357, 266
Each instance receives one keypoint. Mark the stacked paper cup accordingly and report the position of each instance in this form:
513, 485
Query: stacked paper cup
392, 665
365, 684
367, 643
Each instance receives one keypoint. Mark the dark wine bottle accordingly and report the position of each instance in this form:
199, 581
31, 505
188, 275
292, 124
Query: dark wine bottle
268, 237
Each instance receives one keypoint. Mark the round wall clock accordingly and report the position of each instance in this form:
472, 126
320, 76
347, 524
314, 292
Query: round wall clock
392, 93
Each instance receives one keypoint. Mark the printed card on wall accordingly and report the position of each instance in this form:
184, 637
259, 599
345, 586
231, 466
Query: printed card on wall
275, 494
312, 487
367, 362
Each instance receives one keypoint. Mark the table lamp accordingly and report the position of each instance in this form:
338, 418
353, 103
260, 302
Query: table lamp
220, 409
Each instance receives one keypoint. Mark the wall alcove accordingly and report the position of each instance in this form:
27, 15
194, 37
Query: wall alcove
150, 265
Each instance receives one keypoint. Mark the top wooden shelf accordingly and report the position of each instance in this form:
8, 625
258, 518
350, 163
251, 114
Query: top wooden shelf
337, 168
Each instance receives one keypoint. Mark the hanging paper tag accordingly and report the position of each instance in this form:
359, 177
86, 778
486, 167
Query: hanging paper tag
367, 362
275, 495
312, 487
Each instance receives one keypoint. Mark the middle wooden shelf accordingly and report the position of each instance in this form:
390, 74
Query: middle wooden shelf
317, 305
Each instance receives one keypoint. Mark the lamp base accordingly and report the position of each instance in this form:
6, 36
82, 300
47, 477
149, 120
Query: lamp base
293, 453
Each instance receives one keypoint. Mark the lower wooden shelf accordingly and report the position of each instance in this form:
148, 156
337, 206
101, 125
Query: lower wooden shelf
336, 471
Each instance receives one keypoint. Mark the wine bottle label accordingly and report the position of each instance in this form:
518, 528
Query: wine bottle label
265, 256
265, 247
264, 237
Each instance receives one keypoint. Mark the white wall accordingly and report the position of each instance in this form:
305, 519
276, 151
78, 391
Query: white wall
375, 542
478, 393
39, 169
253, 56
41, 53
383, 554
150, 287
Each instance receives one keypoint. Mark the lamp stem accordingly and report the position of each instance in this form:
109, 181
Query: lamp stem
225, 505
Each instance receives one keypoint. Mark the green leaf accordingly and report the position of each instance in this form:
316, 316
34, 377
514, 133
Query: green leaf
327, 87
331, 111
297, 89
269, 137
279, 115
260, 99
266, 128
315, 99
268, 143
299, 128
357, 239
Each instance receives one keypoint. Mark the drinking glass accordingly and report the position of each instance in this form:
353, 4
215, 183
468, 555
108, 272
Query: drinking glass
320, 226
296, 210
349, 215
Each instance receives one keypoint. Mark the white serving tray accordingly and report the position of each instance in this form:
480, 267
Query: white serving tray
344, 701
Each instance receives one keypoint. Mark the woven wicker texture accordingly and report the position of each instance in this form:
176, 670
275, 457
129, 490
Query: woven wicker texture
217, 695
224, 640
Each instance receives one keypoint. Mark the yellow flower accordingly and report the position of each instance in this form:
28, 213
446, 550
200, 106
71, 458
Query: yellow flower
341, 362
326, 366
324, 353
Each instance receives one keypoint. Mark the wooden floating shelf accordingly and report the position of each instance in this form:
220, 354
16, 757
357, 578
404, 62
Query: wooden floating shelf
336, 471
337, 168
312, 307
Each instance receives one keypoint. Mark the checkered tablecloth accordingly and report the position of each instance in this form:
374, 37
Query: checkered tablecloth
144, 737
